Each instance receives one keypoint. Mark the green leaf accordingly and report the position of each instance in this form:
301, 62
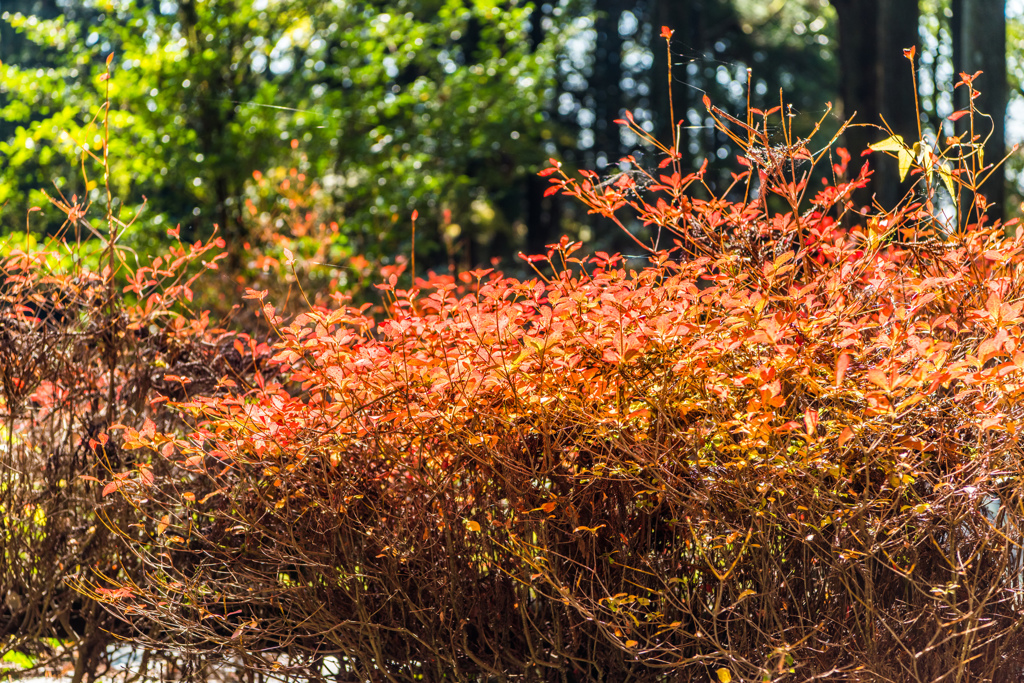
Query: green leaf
19, 659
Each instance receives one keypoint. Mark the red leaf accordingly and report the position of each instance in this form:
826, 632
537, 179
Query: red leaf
551, 190
957, 115
666, 32
910, 52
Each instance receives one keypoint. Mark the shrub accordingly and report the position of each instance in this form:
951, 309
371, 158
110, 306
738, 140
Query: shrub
90, 337
784, 449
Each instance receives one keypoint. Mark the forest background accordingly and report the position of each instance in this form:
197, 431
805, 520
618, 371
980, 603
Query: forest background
320, 127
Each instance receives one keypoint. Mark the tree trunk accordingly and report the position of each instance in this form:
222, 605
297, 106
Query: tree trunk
606, 81
877, 84
681, 17
979, 44
543, 214
898, 22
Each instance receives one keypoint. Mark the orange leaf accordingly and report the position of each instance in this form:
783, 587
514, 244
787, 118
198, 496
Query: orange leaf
879, 378
194, 461
113, 486
845, 437
165, 521
811, 421
990, 422
549, 506
842, 363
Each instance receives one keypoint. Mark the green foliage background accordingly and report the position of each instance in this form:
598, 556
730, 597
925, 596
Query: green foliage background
394, 106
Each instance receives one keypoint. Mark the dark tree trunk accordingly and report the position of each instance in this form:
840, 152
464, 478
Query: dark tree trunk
898, 22
607, 79
979, 44
543, 214
876, 83
682, 17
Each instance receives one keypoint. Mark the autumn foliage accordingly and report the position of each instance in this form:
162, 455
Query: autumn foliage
785, 447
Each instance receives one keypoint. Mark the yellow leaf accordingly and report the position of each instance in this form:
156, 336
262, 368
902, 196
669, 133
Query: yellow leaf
906, 158
746, 593
893, 144
947, 180
924, 156
724, 675
473, 526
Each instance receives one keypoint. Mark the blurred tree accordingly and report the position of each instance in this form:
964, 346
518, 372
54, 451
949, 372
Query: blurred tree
14, 48
877, 82
979, 44
1015, 107
606, 81
181, 134
435, 104
785, 45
